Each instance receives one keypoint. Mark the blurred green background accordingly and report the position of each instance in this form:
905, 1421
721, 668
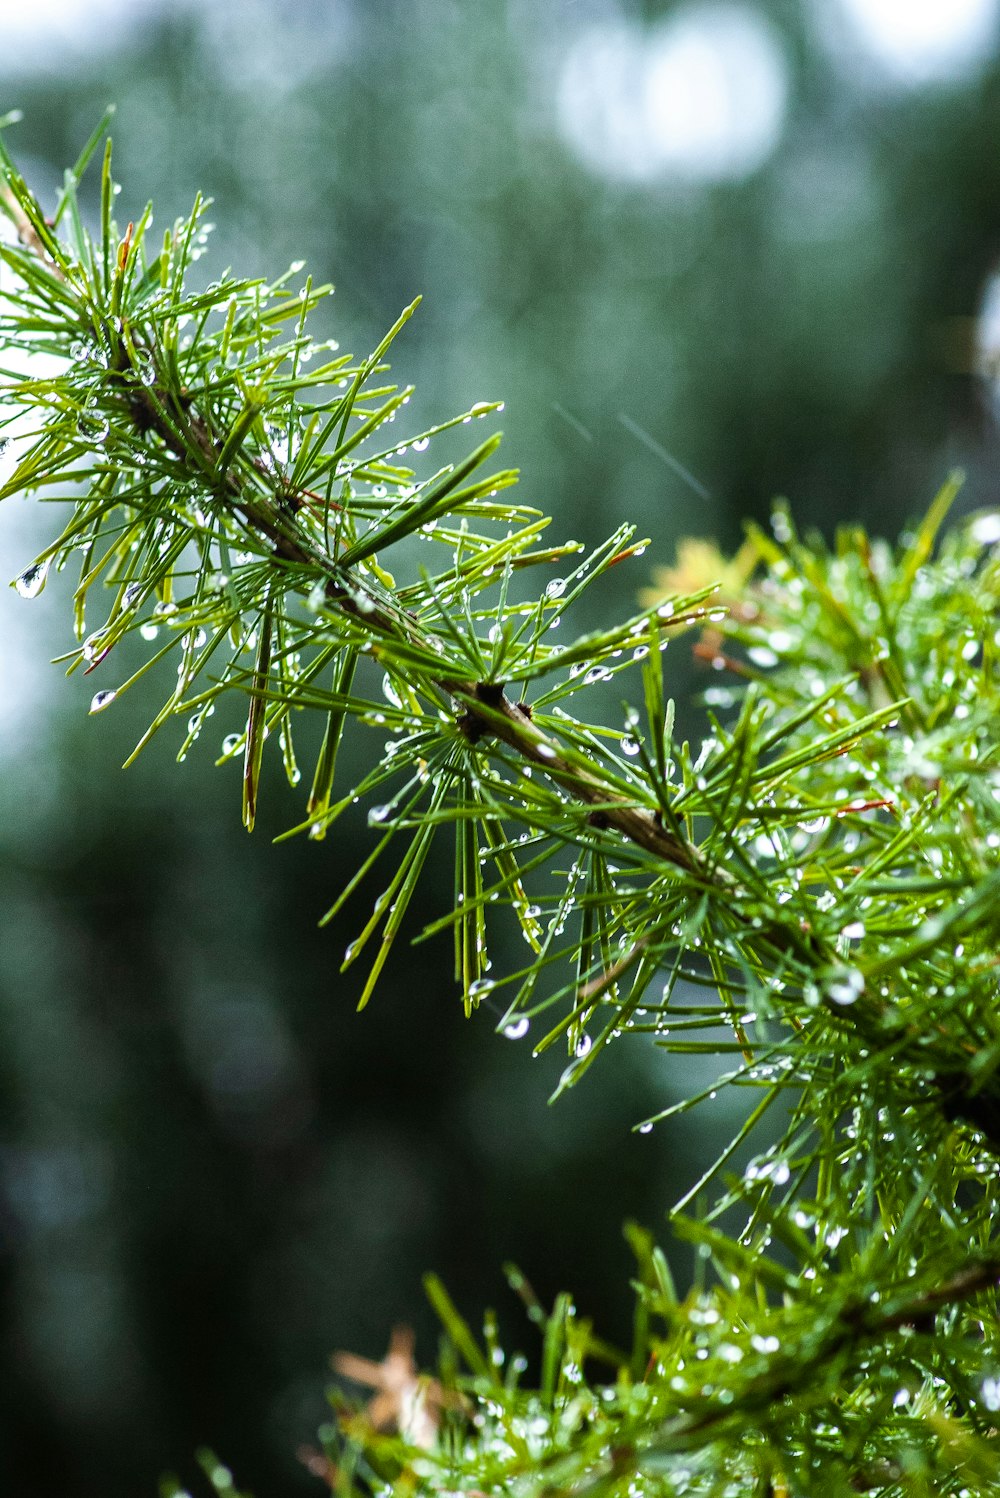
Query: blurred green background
707, 253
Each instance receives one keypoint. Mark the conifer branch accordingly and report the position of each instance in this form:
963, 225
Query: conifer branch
822, 870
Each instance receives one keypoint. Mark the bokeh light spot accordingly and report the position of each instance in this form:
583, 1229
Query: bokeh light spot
701, 97
922, 41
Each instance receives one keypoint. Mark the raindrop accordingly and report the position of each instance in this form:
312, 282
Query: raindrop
32, 580
584, 1045
101, 700
986, 530
231, 743
556, 588
762, 656
630, 747
847, 987
646, 1128
518, 1028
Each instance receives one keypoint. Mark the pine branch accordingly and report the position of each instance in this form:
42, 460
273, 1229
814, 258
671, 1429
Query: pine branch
214, 442
822, 870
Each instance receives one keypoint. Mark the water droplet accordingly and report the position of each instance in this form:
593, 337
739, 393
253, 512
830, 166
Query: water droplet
990, 1392
646, 1128
556, 588
378, 814
762, 656
101, 700
847, 986
148, 631
32, 580
231, 743
584, 1045
421, 445
92, 650
546, 751
630, 747
481, 408
517, 1029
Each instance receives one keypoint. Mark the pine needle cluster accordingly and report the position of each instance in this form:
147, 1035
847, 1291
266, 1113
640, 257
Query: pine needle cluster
822, 869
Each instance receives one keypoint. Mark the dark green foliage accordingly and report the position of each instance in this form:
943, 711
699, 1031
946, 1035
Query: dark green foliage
822, 868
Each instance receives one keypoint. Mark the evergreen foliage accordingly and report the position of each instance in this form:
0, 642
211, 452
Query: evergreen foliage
822, 867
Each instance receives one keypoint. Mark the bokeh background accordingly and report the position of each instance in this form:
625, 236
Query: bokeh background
707, 252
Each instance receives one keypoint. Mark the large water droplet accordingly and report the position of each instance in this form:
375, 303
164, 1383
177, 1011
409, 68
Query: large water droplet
101, 700
518, 1028
847, 987
32, 580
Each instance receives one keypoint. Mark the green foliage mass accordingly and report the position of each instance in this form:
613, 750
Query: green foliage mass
822, 869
